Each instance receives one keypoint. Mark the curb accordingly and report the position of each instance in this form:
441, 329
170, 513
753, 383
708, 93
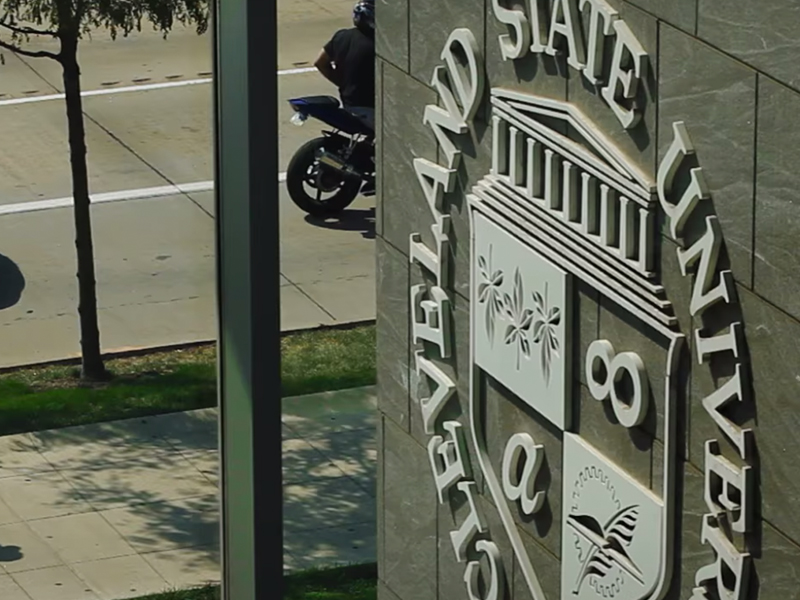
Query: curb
136, 351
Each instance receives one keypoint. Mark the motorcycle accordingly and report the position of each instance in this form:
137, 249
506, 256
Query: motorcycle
339, 164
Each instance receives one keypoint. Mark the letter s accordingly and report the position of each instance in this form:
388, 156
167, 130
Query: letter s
522, 32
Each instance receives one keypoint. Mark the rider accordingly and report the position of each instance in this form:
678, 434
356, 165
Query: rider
348, 61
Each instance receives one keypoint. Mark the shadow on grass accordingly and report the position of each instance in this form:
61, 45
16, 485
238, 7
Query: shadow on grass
53, 397
355, 582
27, 408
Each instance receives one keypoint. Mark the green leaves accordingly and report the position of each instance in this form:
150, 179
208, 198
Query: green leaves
78, 18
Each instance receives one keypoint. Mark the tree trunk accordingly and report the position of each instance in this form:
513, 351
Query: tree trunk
92, 366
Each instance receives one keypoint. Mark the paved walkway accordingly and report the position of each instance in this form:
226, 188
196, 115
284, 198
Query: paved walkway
123, 509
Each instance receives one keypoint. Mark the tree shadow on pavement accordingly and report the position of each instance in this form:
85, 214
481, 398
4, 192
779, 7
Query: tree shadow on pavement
155, 480
12, 283
361, 220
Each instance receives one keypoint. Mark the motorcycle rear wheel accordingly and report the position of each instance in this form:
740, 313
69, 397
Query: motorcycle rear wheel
304, 169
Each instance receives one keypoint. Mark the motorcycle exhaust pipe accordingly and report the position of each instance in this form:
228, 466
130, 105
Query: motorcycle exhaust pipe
336, 163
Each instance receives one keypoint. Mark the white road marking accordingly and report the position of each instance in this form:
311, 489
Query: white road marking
136, 88
139, 194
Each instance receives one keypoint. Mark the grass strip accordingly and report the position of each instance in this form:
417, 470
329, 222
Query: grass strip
356, 582
35, 399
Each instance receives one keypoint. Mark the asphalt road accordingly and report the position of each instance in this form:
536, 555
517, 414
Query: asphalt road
155, 256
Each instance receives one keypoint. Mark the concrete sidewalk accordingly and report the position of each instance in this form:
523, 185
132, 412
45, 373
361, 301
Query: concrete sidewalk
130, 508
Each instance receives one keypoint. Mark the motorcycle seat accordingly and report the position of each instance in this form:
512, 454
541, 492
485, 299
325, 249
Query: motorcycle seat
321, 100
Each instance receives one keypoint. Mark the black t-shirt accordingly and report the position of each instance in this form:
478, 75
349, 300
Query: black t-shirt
353, 51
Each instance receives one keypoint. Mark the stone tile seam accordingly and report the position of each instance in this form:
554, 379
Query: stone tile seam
304, 531
699, 472
631, 4
753, 238
408, 37
379, 174
78, 577
69, 565
406, 433
92, 510
390, 588
727, 55
314, 302
490, 499
400, 426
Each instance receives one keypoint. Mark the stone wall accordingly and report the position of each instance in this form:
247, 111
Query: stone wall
728, 70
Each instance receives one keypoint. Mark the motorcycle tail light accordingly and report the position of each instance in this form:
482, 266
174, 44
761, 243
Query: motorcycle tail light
298, 119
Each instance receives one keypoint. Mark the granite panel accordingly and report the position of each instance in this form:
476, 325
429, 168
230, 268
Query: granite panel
405, 137
777, 226
431, 25
548, 571
639, 143
410, 533
777, 567
587, 310
763, 34
680, 13
773, 412
380, 519
391, 32
386, 593
630, 449
506, 415
392, 333
539, 74
690, 509
451, 572
379, 147
717, 102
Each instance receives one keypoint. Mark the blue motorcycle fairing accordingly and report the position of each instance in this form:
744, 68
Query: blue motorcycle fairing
328, 110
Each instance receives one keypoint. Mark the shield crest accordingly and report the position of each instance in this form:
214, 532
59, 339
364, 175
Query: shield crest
559, 215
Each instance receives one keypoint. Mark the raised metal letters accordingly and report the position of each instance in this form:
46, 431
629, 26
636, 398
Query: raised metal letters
431, 406
628, 64
555, 208
431, 309
522, 491
726, 578
730, 572
603, 362
728, 488
471, 526
495, 589
450, 454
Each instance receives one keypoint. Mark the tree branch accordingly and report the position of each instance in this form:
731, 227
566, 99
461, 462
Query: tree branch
30, 53
28, 30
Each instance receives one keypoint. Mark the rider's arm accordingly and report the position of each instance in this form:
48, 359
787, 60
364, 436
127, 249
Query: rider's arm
324, 65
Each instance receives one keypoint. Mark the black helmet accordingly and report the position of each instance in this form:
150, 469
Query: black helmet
364, 14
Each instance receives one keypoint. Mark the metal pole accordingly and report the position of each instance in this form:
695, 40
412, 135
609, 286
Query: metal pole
248, 268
